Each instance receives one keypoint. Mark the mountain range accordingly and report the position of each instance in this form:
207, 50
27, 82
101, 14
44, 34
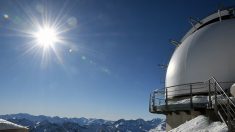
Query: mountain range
43, 123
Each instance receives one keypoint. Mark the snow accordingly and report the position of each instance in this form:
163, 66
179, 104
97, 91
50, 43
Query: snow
201, 124
4, 125
117, 125
195, 99
202, 99
160, 128
221, 99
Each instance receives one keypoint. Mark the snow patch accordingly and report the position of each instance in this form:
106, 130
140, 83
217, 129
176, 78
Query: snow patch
201, 124
201, 99
195, 99
160, 128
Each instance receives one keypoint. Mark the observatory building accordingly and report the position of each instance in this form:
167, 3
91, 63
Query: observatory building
201, 73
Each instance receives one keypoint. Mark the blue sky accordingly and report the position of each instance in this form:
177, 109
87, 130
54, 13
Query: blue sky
107, 64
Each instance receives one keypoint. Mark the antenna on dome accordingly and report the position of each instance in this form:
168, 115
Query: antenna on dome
174, 42
194, 21
220, 7
162, 66
219, 14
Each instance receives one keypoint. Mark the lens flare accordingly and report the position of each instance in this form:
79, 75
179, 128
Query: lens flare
46, 37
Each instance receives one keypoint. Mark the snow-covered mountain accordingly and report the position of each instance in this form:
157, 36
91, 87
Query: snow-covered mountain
56, 124
160, 128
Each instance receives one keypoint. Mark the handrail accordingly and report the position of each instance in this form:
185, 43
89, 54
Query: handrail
189, 90
219, 104
160, 95
223, 91
184, 84
187, 84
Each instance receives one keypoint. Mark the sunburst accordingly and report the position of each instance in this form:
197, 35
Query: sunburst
46, 37
45, 29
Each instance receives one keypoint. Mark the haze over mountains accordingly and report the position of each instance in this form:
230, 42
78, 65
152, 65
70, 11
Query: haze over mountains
43, 123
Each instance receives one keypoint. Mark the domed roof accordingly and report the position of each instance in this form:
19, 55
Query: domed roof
206, 50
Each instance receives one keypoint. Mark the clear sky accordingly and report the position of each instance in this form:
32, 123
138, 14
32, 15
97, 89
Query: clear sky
105, 63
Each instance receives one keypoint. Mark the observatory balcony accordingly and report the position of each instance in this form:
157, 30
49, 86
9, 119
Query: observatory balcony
169, 99
186, 97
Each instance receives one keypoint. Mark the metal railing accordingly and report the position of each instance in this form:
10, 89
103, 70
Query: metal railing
220, 101
165, 96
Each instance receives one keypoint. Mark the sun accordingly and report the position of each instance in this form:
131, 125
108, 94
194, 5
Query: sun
47, 33
46, 37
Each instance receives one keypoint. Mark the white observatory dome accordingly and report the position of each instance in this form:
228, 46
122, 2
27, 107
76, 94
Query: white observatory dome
207, 50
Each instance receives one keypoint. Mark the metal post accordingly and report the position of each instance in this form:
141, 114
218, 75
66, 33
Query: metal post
166, 100
191, 96
229, 117
215, 96
150, 103
219, 14
153, 99
210, 103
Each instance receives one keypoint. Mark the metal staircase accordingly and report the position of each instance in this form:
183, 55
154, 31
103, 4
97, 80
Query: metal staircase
222, 104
